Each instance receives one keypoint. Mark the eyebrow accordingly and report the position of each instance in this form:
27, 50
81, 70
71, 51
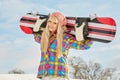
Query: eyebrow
54, 21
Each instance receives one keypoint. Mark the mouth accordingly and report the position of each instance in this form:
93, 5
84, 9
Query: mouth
51, 27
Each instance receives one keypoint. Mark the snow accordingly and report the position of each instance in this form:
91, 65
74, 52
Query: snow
21, 77
18, 77
33, 77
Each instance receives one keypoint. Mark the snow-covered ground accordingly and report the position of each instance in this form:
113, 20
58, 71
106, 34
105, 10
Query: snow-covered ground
20, 77
116, 75
33, 77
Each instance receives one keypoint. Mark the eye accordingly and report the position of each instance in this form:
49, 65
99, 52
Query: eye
55, 23
50, 21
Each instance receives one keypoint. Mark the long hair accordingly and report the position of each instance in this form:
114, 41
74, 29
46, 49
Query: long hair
45, 39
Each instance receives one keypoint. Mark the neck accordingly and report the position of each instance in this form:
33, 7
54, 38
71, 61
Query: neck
52, 33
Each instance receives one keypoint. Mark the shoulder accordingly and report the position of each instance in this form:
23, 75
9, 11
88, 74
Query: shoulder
66, 35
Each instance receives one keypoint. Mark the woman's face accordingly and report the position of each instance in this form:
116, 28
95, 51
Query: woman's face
52, 24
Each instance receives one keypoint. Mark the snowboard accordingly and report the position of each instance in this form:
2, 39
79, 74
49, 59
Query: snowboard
101, 29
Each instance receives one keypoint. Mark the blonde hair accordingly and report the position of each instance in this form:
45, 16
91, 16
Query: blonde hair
46, 35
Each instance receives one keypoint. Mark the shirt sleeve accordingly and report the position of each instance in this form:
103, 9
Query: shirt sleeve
80, 45
37, 37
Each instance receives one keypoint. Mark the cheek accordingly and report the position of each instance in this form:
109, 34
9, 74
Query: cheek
52, 27
55, 27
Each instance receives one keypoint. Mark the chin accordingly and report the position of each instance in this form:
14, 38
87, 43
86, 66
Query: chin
51, 30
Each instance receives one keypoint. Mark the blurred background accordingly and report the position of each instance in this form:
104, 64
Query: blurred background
19, 50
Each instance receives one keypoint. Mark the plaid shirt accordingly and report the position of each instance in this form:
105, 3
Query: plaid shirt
50, 65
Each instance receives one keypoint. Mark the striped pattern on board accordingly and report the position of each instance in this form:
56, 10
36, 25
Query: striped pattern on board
101, 32
28, 20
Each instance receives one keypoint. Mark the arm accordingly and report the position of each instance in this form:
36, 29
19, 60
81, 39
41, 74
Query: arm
37, 37
80, 45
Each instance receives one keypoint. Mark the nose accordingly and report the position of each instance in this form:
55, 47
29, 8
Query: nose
50, 24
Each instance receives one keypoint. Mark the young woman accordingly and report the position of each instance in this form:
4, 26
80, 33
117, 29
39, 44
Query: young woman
55, 43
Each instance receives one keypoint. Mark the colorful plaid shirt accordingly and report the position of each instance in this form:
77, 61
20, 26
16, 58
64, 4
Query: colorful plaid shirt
50, 65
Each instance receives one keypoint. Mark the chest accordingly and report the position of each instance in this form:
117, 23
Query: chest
53, 45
